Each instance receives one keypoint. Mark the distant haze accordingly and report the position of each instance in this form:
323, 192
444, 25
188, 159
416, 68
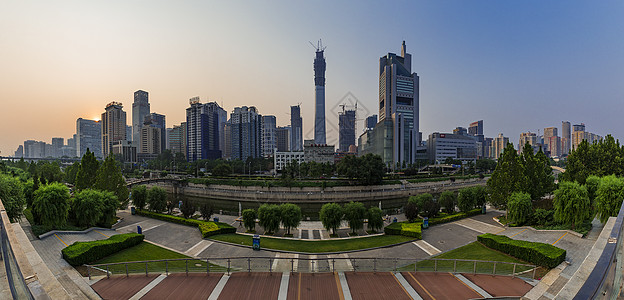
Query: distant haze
518, 65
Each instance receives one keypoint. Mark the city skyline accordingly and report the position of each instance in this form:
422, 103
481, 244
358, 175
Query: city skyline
533, 70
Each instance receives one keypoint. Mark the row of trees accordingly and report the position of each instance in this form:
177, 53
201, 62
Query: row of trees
602, 158
332, 215
425, 205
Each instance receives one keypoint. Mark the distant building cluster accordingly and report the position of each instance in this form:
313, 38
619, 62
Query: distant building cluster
209, 132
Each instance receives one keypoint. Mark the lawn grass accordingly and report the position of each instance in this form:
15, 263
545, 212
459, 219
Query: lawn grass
147, 251
315, 246
474, 251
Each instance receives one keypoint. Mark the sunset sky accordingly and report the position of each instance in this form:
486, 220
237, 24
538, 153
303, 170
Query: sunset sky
518, 65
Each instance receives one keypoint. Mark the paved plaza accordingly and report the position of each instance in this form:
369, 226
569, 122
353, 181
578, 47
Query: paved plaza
187, 240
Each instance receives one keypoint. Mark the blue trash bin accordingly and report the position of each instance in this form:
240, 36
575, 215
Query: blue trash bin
133, 210
256, 242
425, 223
215, 219
139, 229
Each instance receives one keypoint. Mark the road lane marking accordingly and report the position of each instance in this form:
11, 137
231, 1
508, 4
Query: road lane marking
61, 240
428, 248
150, 228
519, 232
199, 248
469, 227
559, 238
101, 233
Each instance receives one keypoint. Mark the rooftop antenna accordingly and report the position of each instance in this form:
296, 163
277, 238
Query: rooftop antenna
319, 46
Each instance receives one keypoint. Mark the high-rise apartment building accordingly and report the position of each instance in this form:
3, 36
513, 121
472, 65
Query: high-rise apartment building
88, 136
151, 139
552, 149
57, 146
269, 138
346, 130
296, 125
158, 121
246, 133
399, 103
19, 152
498, 145
527, 137
319, 88
177, 139
113, 127
283, 138
202, 121
140, 109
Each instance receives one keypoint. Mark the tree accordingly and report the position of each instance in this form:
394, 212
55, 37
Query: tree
51, 204
480, 195
507, 178
269, 217
519, 207
331, 216
87, 207
12, 196
537, 173
85, 177
448, 200
223, 169
571, 203
354, 213
411, 209
485, 165
109, 178
187, 208
71, 172
375, 219
466, 199
109, 208
427, 205
157, 199
290, 215
591, 184
249, 219
139, 196
206, 210
609, 197
368, 169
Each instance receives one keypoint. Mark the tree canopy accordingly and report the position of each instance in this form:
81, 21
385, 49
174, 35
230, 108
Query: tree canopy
519, 208
249, 219
85, 177
331, 216
375, 219
157, 199
354, 213
269, 217
609, 197
12, 196
602, 158
367, 170
290, 215
51, 205
109, 178
571, 204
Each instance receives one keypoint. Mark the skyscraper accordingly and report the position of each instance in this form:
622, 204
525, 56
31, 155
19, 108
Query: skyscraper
498, 145
371, 121
246, 132
283, 138
176, 139
202, 122
319, 88
158, 121
113, 127
399, 103
151, 142
346, 130
269, 139
566, 137
296, 125
140, 109
88, 135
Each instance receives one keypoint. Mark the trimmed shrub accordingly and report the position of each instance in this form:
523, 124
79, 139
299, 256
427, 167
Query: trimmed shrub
80, 253
454, 217
204, 226
405, 228
541, 254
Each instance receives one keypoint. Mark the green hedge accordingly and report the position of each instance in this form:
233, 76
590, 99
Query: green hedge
454, 217
80, 253
541, 254
207, 228
405, 229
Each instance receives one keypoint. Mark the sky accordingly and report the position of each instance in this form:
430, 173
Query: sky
518, 65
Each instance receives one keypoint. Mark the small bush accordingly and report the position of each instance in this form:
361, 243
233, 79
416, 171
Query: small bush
541, 254
405, 228
543, 217
454, 217
80, 253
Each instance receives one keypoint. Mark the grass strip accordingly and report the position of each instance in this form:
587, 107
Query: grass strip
316, 246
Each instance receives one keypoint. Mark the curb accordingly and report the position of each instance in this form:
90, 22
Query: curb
312, 253
313, 240
49, 233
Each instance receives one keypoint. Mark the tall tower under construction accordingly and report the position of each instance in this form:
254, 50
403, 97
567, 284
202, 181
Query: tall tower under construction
319, 87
